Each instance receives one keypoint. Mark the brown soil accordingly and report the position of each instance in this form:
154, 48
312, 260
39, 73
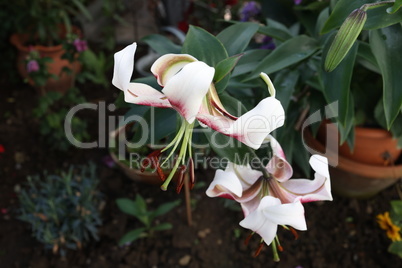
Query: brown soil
342, 233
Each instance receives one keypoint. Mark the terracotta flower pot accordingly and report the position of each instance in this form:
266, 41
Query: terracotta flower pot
355, 179
133, 173
372, 146
65, 80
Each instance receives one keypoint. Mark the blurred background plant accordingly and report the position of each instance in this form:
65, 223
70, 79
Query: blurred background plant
63, 209
138, 208
51, 114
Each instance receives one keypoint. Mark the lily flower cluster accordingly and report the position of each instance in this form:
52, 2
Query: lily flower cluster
189, 89
267, 195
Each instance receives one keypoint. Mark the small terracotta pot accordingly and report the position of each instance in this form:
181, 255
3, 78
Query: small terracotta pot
65, 80
133, 173
372, 146
354, 179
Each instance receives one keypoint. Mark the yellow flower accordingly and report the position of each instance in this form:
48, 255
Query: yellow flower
385, 223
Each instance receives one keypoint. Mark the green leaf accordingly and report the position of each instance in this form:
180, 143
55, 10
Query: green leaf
276, 30
161, 44
288, 53
82, 9
224, 67
162, 227
204, 46
165, 208
379, 114
397, 206
128, 206
285, 82
236, 37
227, 147
337, 83
396, 248
132, 236
386, 44
367, 58
248, 61
376, 18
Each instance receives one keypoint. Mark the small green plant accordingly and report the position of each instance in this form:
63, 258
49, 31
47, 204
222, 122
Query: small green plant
51, 113
138, 209
391, 222
63, 210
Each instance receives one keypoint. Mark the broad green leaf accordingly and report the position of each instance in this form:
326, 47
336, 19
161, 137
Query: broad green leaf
165, 208
128, 206
227, 147
367, 58
162, 227
347, 131
161, 44
204, 46
236, 37
132, 236
248, 61
232, 105
276, 30
396, 128
397, 206
396, 248
224, 67
386, 44
337, 82
285, 82
376, 18
288, 53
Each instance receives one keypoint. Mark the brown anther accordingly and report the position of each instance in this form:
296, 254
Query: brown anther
258, 251
144, 164
180, 181
247, 240
280, 248
191, 171
294, 232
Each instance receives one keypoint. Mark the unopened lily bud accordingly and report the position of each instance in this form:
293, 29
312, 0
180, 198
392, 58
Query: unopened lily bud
345, 38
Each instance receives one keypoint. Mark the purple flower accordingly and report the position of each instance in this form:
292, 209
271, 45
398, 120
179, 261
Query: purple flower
80, 45
108, 161
297, 2
267, 43
249, 10
32, 66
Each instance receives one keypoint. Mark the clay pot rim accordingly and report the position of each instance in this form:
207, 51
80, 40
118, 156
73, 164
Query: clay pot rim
17, 39
366, 170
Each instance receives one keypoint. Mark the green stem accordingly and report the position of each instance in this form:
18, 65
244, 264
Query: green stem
366, 7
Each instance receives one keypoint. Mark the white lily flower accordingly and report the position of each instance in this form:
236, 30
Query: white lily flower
247, 186
188, 88
270, 213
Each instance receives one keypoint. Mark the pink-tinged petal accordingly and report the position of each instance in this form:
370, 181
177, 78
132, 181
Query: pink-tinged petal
143, 94
187, 89
312, 190
169, 65
225, 184
246, 175
123, 66
291, 214
252, 127
258, 222
278, 166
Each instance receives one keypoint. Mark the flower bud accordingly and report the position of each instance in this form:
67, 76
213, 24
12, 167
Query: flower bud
345, 38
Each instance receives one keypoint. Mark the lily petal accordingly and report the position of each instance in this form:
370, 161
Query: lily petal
187, 89
252, 127
291, 214
246, 174
225, 184
123, 66
312, 190
278, 166
168, 65
143, 94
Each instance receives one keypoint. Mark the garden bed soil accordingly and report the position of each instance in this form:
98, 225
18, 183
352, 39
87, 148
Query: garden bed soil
341, 233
